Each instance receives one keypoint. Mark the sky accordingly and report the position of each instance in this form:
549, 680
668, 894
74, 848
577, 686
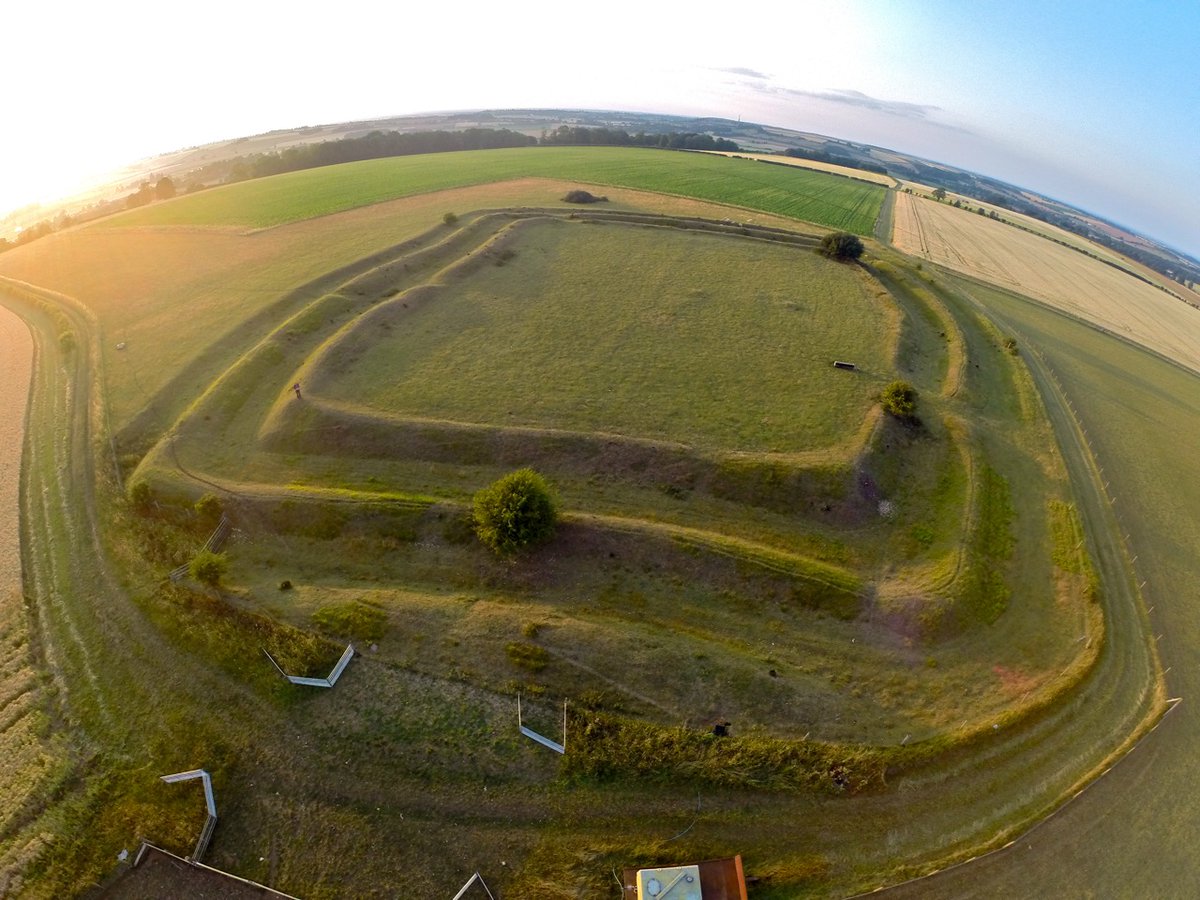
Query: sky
1094, 103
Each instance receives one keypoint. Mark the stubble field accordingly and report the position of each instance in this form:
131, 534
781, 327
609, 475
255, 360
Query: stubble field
1056, 275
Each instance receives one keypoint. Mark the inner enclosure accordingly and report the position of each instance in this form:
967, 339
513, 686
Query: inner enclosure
722, 343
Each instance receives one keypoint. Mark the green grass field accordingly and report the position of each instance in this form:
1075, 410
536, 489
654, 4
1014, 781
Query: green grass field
634, 331
795, 193
745, 537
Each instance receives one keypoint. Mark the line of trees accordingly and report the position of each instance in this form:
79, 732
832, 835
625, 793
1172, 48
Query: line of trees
380, 144
580, 136
835, 159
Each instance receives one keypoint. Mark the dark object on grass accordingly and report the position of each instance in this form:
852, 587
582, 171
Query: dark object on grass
841, 245
579, 196
838, 364
721, 729
285, 585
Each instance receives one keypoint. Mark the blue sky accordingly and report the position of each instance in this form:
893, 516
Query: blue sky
1093, 103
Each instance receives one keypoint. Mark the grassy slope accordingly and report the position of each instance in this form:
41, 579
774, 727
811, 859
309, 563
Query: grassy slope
1143, 422
792, 192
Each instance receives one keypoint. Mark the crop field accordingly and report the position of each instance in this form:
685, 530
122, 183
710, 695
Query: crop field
923, 630
1085, 287
815, 164
790, 192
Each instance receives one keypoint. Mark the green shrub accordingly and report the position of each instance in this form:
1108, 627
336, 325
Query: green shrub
841, 246
579, 196
449, 218
209, 508
527, 656
208, 567
899, 399
516, 512
141, 496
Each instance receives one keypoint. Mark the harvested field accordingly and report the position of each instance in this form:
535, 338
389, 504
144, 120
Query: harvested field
815, 165
1064, 278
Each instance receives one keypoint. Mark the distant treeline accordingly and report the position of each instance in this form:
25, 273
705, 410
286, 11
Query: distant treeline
579, 136
376, 145
380, 144
835, 159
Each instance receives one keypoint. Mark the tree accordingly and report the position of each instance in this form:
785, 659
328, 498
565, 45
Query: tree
515, 512
939, 194
209, 509
841, 245
900, 399
208, 567
164, 189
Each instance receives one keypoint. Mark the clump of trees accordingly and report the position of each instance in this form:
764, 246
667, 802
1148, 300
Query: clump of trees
515, 513
581, 196
899, 399
841, 246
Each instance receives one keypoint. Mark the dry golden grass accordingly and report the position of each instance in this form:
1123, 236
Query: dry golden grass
1035, 225
860, 174
16, 365
1057, 275
26, 759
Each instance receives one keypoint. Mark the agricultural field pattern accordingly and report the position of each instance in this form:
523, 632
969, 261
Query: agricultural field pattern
941, 641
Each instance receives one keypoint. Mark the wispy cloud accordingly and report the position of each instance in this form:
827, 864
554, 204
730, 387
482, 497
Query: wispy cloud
914, 112
866, 101
741, 70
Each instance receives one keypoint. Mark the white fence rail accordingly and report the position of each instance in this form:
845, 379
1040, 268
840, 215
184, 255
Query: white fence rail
209, 801
338, 668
